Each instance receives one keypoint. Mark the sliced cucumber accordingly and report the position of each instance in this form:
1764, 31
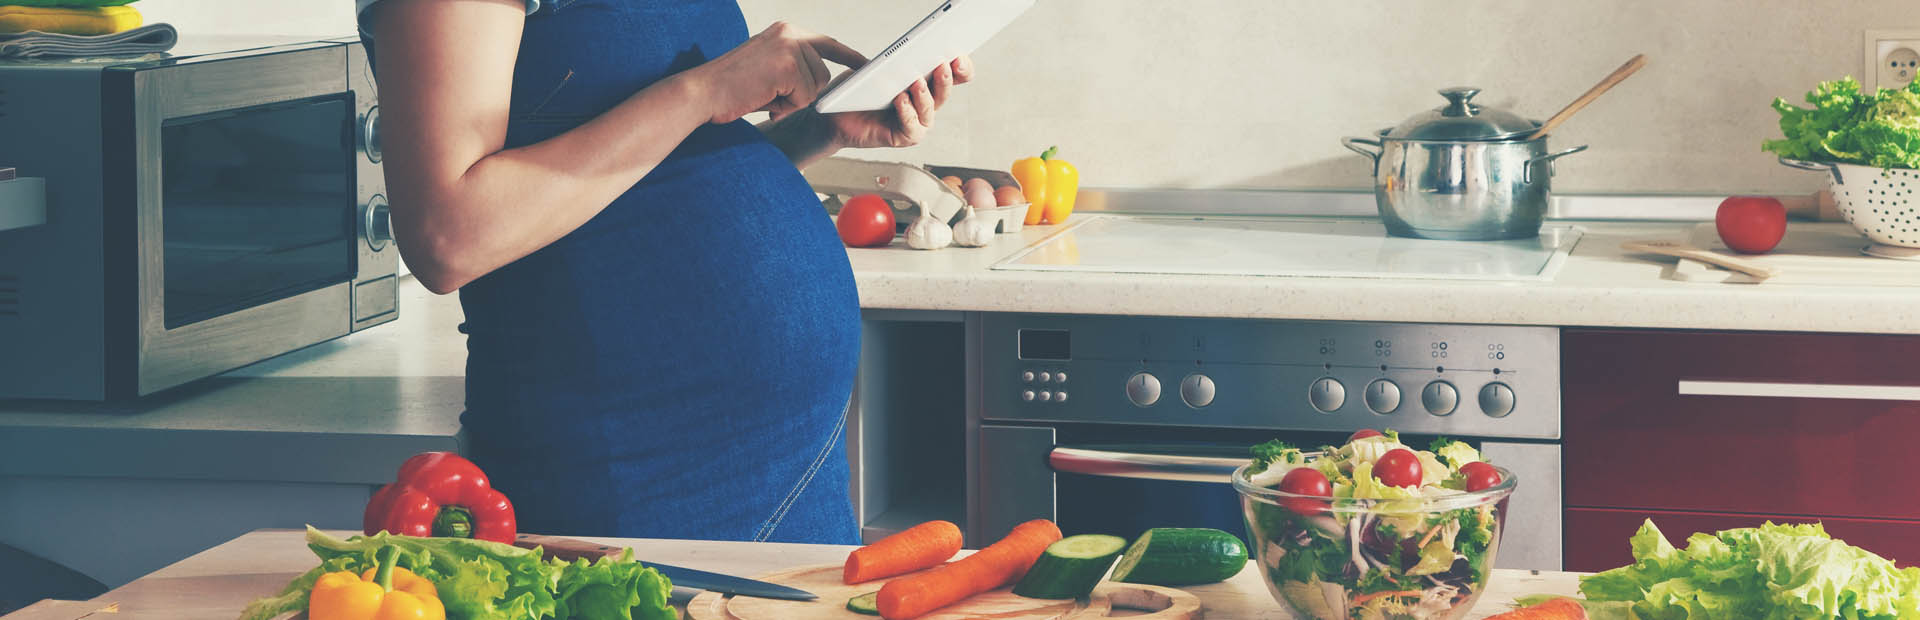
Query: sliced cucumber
868, 604
1170, 556
1071, 567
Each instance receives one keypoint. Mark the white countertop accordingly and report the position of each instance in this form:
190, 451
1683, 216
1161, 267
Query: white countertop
1599, 286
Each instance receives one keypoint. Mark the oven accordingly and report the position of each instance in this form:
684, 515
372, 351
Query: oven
1111, 424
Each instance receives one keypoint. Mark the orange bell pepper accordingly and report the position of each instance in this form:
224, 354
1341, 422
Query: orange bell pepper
387, 592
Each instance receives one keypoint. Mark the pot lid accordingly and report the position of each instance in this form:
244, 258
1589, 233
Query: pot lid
1461, 119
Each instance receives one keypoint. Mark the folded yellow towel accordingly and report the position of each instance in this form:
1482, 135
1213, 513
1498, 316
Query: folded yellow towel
77, 21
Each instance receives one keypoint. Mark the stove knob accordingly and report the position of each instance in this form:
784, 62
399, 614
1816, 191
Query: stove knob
1440, 398
1143, 389
1383, 396
1197, 390
1027, 395
1496, 399
1327, 394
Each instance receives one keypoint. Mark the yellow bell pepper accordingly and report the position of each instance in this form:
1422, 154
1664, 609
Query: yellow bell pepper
387, 592
1050, 186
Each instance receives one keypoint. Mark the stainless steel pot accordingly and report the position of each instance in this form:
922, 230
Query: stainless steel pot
1461, 171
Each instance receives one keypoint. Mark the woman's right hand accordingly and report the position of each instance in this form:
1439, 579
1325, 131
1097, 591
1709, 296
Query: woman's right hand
781, 70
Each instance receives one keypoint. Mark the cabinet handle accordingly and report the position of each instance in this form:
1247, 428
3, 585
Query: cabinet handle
1143, 465
1763, 389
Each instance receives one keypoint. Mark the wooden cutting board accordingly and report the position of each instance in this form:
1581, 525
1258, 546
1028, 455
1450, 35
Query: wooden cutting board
1163, 603
1811, 254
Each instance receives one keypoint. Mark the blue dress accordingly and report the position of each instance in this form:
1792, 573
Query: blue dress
680, 365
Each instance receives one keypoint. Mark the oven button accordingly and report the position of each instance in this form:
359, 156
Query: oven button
1383, 396
1496, 399
1440, 398
1059, 397
1045, 395
1327, 394
1060, 377
1026, 377
1143, 389
1197, 390
1027, 395
1044, 377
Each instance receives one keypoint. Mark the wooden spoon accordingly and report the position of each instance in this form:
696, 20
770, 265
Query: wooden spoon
1633, 64
1682, 250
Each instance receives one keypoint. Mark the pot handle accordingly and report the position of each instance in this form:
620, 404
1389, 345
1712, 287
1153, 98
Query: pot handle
1353, 144
1548, 159
1814, 166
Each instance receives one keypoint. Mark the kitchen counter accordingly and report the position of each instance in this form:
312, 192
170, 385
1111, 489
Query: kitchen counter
218, 582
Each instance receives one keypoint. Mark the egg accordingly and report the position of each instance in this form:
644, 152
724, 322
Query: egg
980, 196
1008, 194
980, 184
951, 181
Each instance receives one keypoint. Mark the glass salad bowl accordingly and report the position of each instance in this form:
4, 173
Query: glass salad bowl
1331, 558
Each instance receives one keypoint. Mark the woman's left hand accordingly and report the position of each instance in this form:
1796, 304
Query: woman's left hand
907, 122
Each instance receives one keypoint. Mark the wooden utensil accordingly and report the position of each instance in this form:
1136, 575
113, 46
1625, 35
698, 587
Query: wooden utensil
1163, 603
1682, 250
1633, 64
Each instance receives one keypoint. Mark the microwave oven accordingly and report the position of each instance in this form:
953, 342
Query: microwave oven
206, 210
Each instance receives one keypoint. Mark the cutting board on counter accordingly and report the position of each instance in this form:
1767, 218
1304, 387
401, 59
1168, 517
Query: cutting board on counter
1824, 254
1159, 603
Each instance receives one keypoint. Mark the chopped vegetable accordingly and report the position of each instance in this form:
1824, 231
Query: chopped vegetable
1000, 564
1560, 608
1306, 481
916, 548
384, 593
440, 494
1174, 556
867, 604
1851, 127
1072, 566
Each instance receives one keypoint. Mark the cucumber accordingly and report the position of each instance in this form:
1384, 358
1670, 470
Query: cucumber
868, 604
1071, 567
1172, 556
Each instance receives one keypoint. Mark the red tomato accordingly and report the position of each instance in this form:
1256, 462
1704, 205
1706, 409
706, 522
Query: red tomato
1479, 476
1398, 468
1751, 224
866, 222
1363, 434
1305, 481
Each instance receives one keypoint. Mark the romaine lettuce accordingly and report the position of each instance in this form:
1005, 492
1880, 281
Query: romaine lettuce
1848, 126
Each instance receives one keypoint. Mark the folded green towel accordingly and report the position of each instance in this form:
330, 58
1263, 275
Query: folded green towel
68, 3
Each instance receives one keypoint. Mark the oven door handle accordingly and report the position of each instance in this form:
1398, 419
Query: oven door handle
1824, 391
1095, 461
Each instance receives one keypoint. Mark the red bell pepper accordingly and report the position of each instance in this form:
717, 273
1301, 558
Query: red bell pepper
441, 494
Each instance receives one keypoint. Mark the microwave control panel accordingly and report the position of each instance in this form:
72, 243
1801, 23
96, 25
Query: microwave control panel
1467, 380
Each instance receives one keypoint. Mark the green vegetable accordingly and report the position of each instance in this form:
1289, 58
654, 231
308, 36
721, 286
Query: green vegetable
1173, 556
868, 604
1072, 566
1267, 454
1772, 572
1455, 453
1848, 126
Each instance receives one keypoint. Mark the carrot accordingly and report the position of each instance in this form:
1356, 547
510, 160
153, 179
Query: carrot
994, 567
1556, 609
920, 547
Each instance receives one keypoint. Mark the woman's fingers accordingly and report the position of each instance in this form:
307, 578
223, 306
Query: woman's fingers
941, 83
911, 128
962, 69
831, 49
923, 104
815, 72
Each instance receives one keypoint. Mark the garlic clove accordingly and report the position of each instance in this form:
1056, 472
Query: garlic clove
929, 233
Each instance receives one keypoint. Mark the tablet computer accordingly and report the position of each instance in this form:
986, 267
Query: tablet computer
953, 29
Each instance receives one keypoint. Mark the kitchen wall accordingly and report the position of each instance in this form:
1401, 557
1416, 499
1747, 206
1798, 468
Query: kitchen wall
1249, 93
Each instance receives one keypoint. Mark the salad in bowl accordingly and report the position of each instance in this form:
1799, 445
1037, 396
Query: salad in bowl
1374, 528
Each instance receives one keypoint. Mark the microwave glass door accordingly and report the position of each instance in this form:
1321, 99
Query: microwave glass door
257, 205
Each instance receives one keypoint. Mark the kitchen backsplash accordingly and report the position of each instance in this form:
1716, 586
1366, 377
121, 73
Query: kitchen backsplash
1256, 94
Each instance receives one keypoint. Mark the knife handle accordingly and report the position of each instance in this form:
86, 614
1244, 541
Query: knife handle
566, 549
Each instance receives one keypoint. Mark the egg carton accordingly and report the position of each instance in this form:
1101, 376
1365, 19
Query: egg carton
912, 190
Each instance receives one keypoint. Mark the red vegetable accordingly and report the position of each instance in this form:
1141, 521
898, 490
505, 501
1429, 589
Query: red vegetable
1398, 468
441, 494
1556, 609
1751, 224
1363, 434
866, 221
996, 566
1479, 476
920, 547
1305, 481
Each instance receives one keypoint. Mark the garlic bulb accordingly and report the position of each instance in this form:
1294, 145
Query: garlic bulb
973, 231
929, 233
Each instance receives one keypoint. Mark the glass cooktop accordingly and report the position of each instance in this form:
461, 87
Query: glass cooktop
1286, 246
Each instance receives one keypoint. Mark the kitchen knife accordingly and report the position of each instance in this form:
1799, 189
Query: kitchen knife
570, 549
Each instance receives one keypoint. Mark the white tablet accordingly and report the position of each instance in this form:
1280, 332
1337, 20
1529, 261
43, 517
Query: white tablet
953, 29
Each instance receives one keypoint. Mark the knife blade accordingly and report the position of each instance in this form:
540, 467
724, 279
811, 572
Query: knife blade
570, 549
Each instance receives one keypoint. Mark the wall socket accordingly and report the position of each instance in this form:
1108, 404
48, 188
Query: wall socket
1892, 59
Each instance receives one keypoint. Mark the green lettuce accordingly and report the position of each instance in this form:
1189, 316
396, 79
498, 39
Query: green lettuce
1274, 452
1772, 572
1848, 126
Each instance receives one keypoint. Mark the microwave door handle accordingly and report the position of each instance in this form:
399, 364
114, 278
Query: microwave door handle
1116, 464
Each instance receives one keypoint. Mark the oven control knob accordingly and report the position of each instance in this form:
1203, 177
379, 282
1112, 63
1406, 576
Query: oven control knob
1496, 399
1143, 389
1197, 390
1383, 396
1327, 394
377, 224
370, 134
1440, 398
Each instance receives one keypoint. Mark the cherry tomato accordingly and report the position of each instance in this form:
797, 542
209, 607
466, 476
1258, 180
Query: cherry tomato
1751, 224
1363, 434
1305, 481
1398, 468
866, 221
1480, 476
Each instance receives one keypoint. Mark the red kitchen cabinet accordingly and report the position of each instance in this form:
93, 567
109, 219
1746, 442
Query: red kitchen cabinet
1813, 426
1602, 542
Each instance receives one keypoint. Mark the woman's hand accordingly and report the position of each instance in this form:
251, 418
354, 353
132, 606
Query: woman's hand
781, 70
911, 116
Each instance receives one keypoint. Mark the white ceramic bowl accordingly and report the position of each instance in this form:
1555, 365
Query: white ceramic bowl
1882, 204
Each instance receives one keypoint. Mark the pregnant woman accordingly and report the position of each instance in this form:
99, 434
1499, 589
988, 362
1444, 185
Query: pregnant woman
661, 324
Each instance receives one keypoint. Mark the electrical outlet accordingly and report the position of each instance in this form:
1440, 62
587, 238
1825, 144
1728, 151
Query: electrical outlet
1892, 58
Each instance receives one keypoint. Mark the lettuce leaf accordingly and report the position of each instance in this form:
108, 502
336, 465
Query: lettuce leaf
1846, 125
608, 589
